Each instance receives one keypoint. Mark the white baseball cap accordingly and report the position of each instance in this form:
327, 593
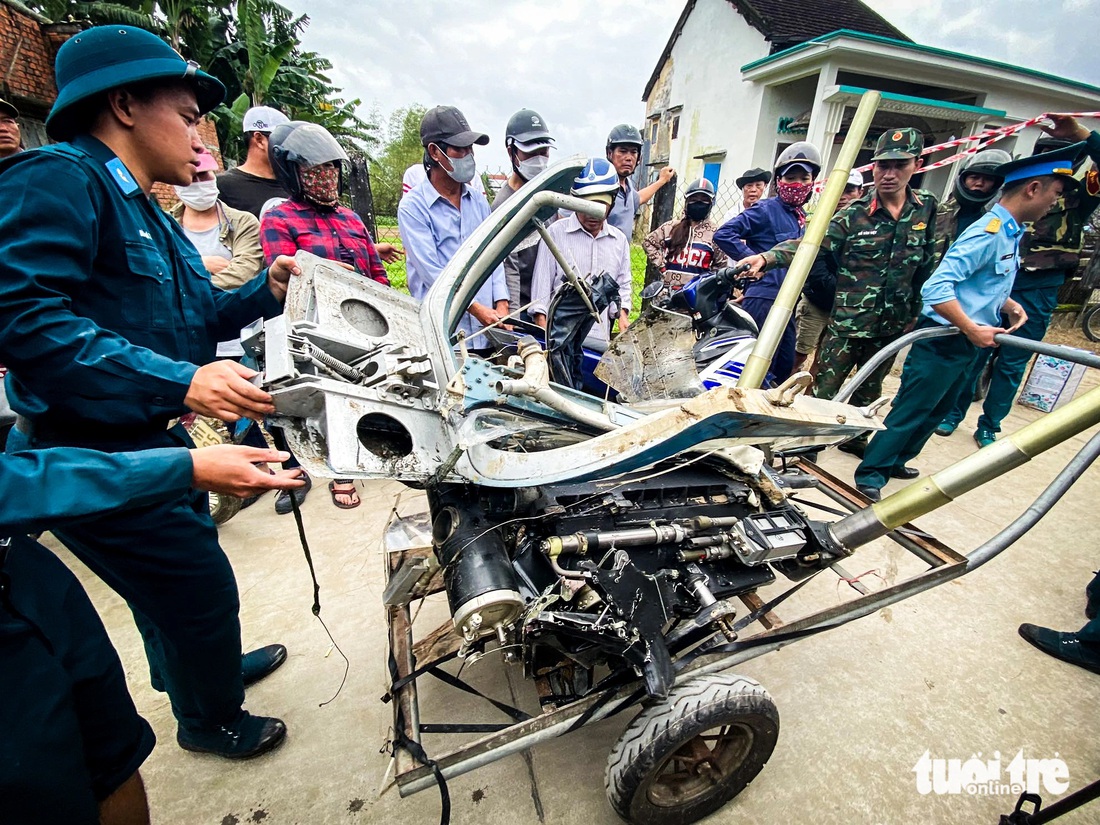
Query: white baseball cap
855, 178
262, 119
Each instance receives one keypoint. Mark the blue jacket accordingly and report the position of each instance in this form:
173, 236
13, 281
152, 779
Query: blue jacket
106, 310
756, 230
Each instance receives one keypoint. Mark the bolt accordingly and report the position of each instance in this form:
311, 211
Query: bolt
841, 419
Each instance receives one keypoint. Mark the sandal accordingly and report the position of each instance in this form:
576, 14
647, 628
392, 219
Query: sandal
352, 493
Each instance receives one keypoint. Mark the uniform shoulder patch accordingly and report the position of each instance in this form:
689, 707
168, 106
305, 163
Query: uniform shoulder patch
1092, 183
993, 226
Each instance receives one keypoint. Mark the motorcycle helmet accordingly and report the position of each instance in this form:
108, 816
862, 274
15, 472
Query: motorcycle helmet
526, 130
299, 145
702, 186
803, 154
598, 181
624, 134
985, 163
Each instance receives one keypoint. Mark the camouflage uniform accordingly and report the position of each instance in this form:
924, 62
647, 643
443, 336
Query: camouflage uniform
951, 220
880, 265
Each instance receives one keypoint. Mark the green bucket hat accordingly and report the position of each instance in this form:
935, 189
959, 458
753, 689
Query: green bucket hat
106, 57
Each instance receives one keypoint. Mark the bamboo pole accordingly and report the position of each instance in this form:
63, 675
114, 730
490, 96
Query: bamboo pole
756, 367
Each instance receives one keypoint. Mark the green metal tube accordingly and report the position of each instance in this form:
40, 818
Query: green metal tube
756, 366
932, 492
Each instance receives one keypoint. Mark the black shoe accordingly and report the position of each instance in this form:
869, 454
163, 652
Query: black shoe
904, 472
1064, 646
247, 737
872, 493
257, 664
855, 448
282, 501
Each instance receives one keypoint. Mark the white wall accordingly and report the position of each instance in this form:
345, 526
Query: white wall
720, 111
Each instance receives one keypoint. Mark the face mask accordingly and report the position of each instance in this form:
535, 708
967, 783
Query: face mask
697, 211
794, 194
200, 195
532, 167
321, 184
462, 169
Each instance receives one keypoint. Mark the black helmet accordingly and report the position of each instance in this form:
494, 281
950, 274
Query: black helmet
299, 145
527, 129
985, 163
624, 133
702, 186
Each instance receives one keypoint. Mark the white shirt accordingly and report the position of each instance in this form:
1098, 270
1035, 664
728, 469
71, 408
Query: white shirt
609, 251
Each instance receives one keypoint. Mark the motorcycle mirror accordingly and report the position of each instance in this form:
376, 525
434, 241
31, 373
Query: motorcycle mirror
653, 289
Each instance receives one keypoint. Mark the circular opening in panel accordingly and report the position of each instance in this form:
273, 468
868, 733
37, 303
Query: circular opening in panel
385, 437
364, 317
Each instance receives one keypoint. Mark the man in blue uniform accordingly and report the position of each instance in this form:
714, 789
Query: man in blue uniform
108, 325
970, 290
73, 740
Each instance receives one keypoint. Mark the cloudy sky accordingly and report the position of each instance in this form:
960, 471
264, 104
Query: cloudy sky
584, 64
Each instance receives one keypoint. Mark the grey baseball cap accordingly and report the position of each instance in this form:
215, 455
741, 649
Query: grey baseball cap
446, 124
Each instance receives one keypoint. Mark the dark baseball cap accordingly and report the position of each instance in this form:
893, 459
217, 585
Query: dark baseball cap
446, 124
7, 109
899, 144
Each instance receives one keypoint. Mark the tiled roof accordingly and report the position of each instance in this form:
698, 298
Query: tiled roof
784, 23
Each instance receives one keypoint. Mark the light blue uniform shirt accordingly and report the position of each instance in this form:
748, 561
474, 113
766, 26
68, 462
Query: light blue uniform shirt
978, 270
432, 230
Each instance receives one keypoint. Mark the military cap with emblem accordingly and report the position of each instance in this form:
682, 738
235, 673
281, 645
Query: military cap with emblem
899, 144
108, 57
1059, 163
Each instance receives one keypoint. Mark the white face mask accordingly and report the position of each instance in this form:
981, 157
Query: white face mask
462, 169
200, 195
532, 167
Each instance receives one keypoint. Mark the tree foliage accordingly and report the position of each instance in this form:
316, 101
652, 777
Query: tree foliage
401, 150
253, 47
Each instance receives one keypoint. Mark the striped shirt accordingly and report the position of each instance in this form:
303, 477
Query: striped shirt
609, 251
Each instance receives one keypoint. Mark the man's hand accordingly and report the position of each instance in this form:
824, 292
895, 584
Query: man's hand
665, 175
1016, 314
221, 390
389, 253
756, 265
214, 263
278, 275
624, 320
486, 316
231, 470
1065, 127
982, 336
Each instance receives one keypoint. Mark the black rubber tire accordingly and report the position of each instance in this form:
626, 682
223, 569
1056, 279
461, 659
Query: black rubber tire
223, 508
1090, 323
745, 718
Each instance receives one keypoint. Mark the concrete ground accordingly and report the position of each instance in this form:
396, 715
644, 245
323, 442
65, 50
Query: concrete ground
943, 672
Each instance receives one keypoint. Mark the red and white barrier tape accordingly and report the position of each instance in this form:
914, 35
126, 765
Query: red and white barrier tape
987, 137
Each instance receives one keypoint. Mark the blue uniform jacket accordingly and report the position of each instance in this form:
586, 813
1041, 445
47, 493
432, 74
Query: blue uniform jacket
756, 230
43, 489
105, 307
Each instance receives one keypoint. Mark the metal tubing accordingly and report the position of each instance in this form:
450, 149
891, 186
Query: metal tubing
465, 288
1054, 350
1039, 508
756, 365
567, 269
929, 493
483, 753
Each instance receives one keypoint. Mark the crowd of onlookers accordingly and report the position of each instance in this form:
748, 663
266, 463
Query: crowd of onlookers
113, 315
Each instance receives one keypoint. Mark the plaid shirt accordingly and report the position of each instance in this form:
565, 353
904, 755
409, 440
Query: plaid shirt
337, 234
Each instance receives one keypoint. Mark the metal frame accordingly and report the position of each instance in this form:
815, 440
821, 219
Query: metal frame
411, 777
